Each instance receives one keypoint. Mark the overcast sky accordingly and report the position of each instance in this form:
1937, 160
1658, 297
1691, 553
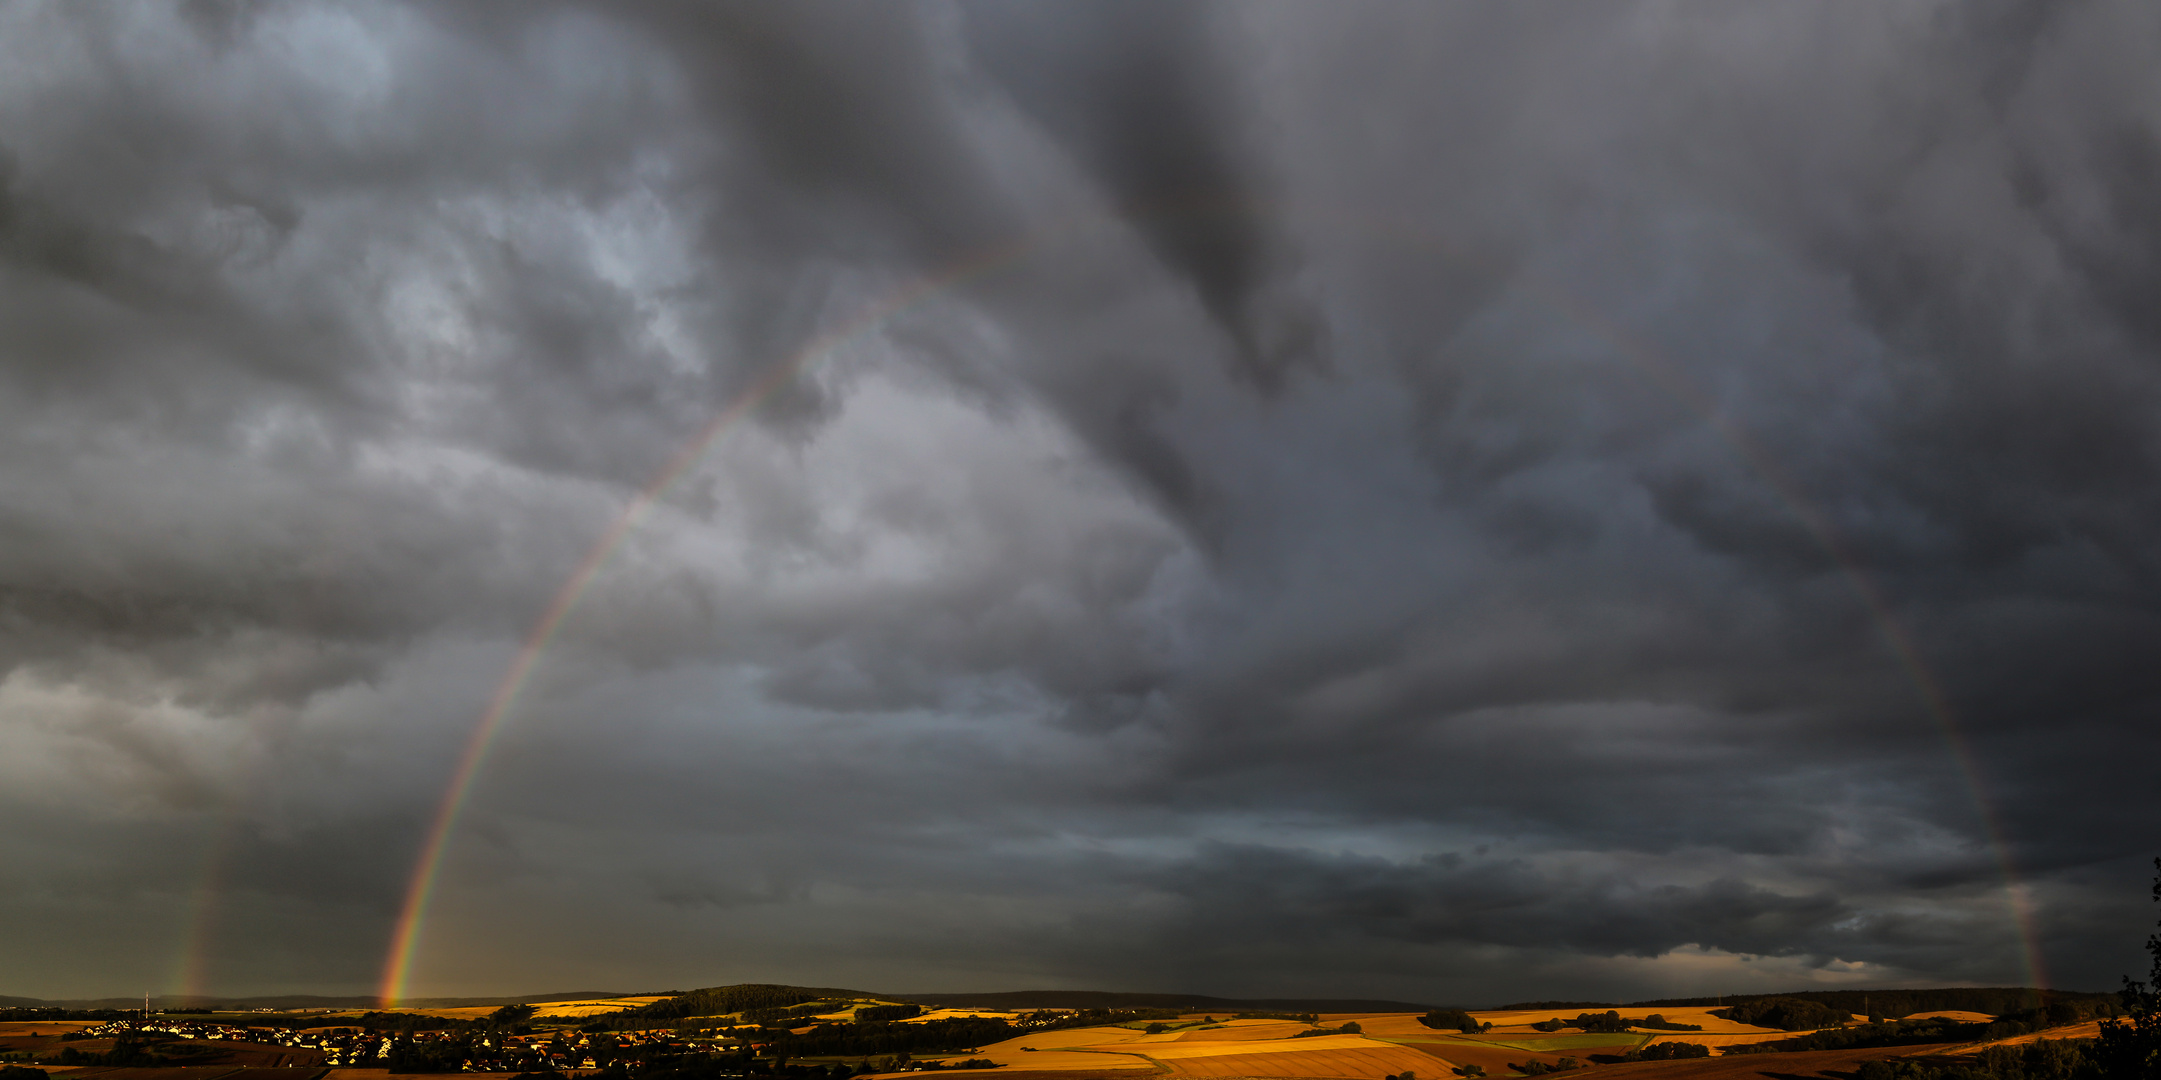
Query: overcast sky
1458, 503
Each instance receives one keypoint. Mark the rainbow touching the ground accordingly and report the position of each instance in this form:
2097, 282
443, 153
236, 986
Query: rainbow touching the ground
407, 934
190, 978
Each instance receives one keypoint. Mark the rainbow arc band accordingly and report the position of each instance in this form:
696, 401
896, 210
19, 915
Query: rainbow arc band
406, 937
407, 934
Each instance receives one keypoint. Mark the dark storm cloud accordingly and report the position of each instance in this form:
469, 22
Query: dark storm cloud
1446, 502
1137, 93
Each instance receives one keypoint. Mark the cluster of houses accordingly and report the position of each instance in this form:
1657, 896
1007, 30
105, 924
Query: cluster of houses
491, 1052
186, 1029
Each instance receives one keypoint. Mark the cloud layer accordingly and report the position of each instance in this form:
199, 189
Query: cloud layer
1446, 502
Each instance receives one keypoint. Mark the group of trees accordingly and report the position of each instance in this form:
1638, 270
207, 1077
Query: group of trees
1350, 1027
727, 1000
133, 1051
1785, 1014
1612, 1022
807, 1009
1667, 1051
878, 1014
866, 1039
1453, 1020
1658, 1022
2046, 1059
1993, 1000
1534, 1067
2130, 1048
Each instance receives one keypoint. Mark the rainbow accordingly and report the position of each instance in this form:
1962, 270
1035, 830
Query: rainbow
407, 932
406, 936
190, 978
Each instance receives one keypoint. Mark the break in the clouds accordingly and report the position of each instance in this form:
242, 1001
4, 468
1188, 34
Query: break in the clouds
1447, 502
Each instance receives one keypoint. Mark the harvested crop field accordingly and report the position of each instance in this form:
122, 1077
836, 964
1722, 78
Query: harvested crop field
23, 1029
1390, 1024
1495, 1060
1373, 1060
1049, 1051
589, 1006
1959, 1015
1246, 1031
961, 1014
1063, 1060
2091, 1029
1326, 1055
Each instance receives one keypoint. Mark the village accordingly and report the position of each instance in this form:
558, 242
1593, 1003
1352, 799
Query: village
442, 1050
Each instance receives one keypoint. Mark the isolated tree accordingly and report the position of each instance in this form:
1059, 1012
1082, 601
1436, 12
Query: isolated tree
2130, 1048
511, 1015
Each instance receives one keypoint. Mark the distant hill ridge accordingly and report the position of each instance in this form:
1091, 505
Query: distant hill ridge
1993, 1000
720, 1000
1101, 999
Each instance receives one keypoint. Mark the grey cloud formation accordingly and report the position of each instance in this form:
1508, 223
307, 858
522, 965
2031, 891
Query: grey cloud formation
1448, 502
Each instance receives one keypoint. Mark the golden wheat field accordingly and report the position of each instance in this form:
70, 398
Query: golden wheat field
956, 1014
1245, 1031
1094, 1036
1381, 1023
593, 1005
1372, 1060
1050, 1051
2091, 1029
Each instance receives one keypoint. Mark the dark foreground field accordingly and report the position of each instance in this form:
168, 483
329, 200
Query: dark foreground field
189, 1072
1803, 1065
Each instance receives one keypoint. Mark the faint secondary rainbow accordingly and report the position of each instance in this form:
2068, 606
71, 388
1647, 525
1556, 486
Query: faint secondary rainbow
420, 891
1647, 360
